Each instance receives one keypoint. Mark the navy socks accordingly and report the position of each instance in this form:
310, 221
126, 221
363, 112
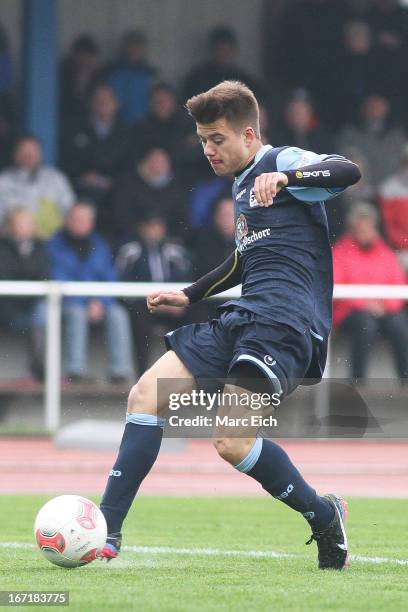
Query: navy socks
137, 453
268, 463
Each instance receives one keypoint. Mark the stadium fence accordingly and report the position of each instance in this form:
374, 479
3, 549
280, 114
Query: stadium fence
55, 291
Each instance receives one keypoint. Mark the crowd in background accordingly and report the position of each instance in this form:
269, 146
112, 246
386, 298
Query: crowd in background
132, 197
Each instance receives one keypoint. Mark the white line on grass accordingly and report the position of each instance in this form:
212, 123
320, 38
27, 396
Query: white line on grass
377, 560
211, 552
218, 552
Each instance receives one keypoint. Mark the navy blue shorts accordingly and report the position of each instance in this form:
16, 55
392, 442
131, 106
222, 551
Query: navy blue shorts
211, 350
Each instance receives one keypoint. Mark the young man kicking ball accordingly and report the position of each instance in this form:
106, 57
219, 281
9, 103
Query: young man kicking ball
278, 329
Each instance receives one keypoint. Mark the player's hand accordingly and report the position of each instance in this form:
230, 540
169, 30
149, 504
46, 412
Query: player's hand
267, 185
166, 298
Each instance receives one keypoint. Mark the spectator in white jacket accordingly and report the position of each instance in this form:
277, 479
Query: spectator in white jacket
44, 190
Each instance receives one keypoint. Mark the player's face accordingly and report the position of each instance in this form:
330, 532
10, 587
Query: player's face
227, 149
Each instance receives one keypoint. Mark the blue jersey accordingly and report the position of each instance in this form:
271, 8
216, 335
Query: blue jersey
285, 251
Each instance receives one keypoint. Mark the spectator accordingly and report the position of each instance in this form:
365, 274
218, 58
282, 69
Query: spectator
151, 185
389, 23
204, 196
301, 126
265, 124
338, 208
151, 256
78, 74
132, 76
166, 126
6, 138
78, 253
221, 65
357, 72
23, 258
314, 29
362, 257
216, 242
377, 139
95, 150
6, 68
394, 208
364, 189
7, 105
44, 190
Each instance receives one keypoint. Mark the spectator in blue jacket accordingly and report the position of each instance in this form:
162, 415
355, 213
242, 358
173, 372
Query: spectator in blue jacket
132, 77
78, 253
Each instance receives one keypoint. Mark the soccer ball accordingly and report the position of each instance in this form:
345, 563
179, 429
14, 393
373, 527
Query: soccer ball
70, 530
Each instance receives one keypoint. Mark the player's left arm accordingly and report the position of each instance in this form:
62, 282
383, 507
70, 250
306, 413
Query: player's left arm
223, 277
307, 176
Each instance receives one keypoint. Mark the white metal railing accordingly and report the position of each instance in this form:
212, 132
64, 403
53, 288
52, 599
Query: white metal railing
54, 291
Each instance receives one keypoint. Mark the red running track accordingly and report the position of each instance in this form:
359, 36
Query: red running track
351, 467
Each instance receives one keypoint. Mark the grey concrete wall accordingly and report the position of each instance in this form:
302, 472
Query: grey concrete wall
177, 28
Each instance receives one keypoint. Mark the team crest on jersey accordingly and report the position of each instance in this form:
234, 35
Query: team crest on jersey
253, 202
241, 227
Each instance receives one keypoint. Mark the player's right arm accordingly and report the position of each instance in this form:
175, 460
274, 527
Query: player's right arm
225, 276
309, 177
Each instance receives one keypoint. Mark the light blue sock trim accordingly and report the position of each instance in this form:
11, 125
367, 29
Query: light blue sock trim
252, 457
145, 419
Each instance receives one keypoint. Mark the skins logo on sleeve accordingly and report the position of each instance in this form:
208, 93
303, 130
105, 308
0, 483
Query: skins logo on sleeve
315, 173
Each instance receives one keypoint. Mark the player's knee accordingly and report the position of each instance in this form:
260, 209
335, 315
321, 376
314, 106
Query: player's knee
230, 449
139, 395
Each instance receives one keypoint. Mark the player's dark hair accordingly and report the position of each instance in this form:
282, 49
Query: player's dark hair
231, 100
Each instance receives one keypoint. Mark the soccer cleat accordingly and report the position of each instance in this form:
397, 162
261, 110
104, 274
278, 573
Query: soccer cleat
332, 541
112, 547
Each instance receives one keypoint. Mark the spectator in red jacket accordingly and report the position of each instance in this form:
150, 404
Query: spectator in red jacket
394, 209
362, 257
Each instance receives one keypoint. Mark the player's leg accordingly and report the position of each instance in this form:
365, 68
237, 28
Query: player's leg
269, 464
283, 356
263, 459
195, 351
140, 443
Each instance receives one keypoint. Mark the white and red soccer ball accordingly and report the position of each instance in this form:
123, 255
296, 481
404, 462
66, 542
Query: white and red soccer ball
70, 530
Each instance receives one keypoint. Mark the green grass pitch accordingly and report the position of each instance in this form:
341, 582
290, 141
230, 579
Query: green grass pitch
201, 555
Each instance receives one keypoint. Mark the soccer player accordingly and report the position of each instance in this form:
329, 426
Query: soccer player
277, 330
